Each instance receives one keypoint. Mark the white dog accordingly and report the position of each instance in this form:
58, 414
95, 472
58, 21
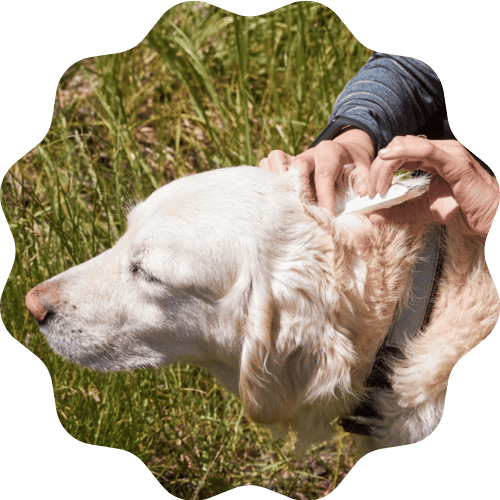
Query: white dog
233, 271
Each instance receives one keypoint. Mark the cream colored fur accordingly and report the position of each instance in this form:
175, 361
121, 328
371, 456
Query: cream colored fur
233, 271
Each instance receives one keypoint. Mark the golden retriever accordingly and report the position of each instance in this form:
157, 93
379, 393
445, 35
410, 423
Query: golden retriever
234, 271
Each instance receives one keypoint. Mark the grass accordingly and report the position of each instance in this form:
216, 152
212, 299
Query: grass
206, 89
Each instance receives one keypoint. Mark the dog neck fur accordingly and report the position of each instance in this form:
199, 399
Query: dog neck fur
313, 312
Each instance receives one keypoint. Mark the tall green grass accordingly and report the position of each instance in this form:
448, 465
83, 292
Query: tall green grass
205, 89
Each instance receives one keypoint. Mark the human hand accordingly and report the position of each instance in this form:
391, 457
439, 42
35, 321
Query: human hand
320, 166
461, 195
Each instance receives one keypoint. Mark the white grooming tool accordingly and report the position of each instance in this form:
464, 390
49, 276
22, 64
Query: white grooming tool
397, 194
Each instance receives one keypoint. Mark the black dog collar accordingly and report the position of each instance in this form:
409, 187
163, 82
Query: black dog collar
414, 316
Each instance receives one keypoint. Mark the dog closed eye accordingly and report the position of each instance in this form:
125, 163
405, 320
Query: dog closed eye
138, 270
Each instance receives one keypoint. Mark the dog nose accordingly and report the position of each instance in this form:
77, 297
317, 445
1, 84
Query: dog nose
46, 293
34, 304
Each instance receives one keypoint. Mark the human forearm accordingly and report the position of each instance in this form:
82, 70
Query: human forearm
390, 96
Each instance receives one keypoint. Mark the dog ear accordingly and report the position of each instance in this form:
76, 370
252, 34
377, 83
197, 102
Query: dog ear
292, 355
296, 347
266, 390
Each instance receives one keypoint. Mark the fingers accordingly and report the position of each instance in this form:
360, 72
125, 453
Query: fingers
461, 194
329, 159
304, 162
359, 146
446, 158
363, 184
382, 173
277, 162
408, 153
264, 163
326, 162
320, 167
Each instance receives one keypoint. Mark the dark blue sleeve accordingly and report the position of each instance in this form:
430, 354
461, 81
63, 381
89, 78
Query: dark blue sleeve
390, 96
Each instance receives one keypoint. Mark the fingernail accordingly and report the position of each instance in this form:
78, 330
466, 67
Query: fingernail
392, 150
